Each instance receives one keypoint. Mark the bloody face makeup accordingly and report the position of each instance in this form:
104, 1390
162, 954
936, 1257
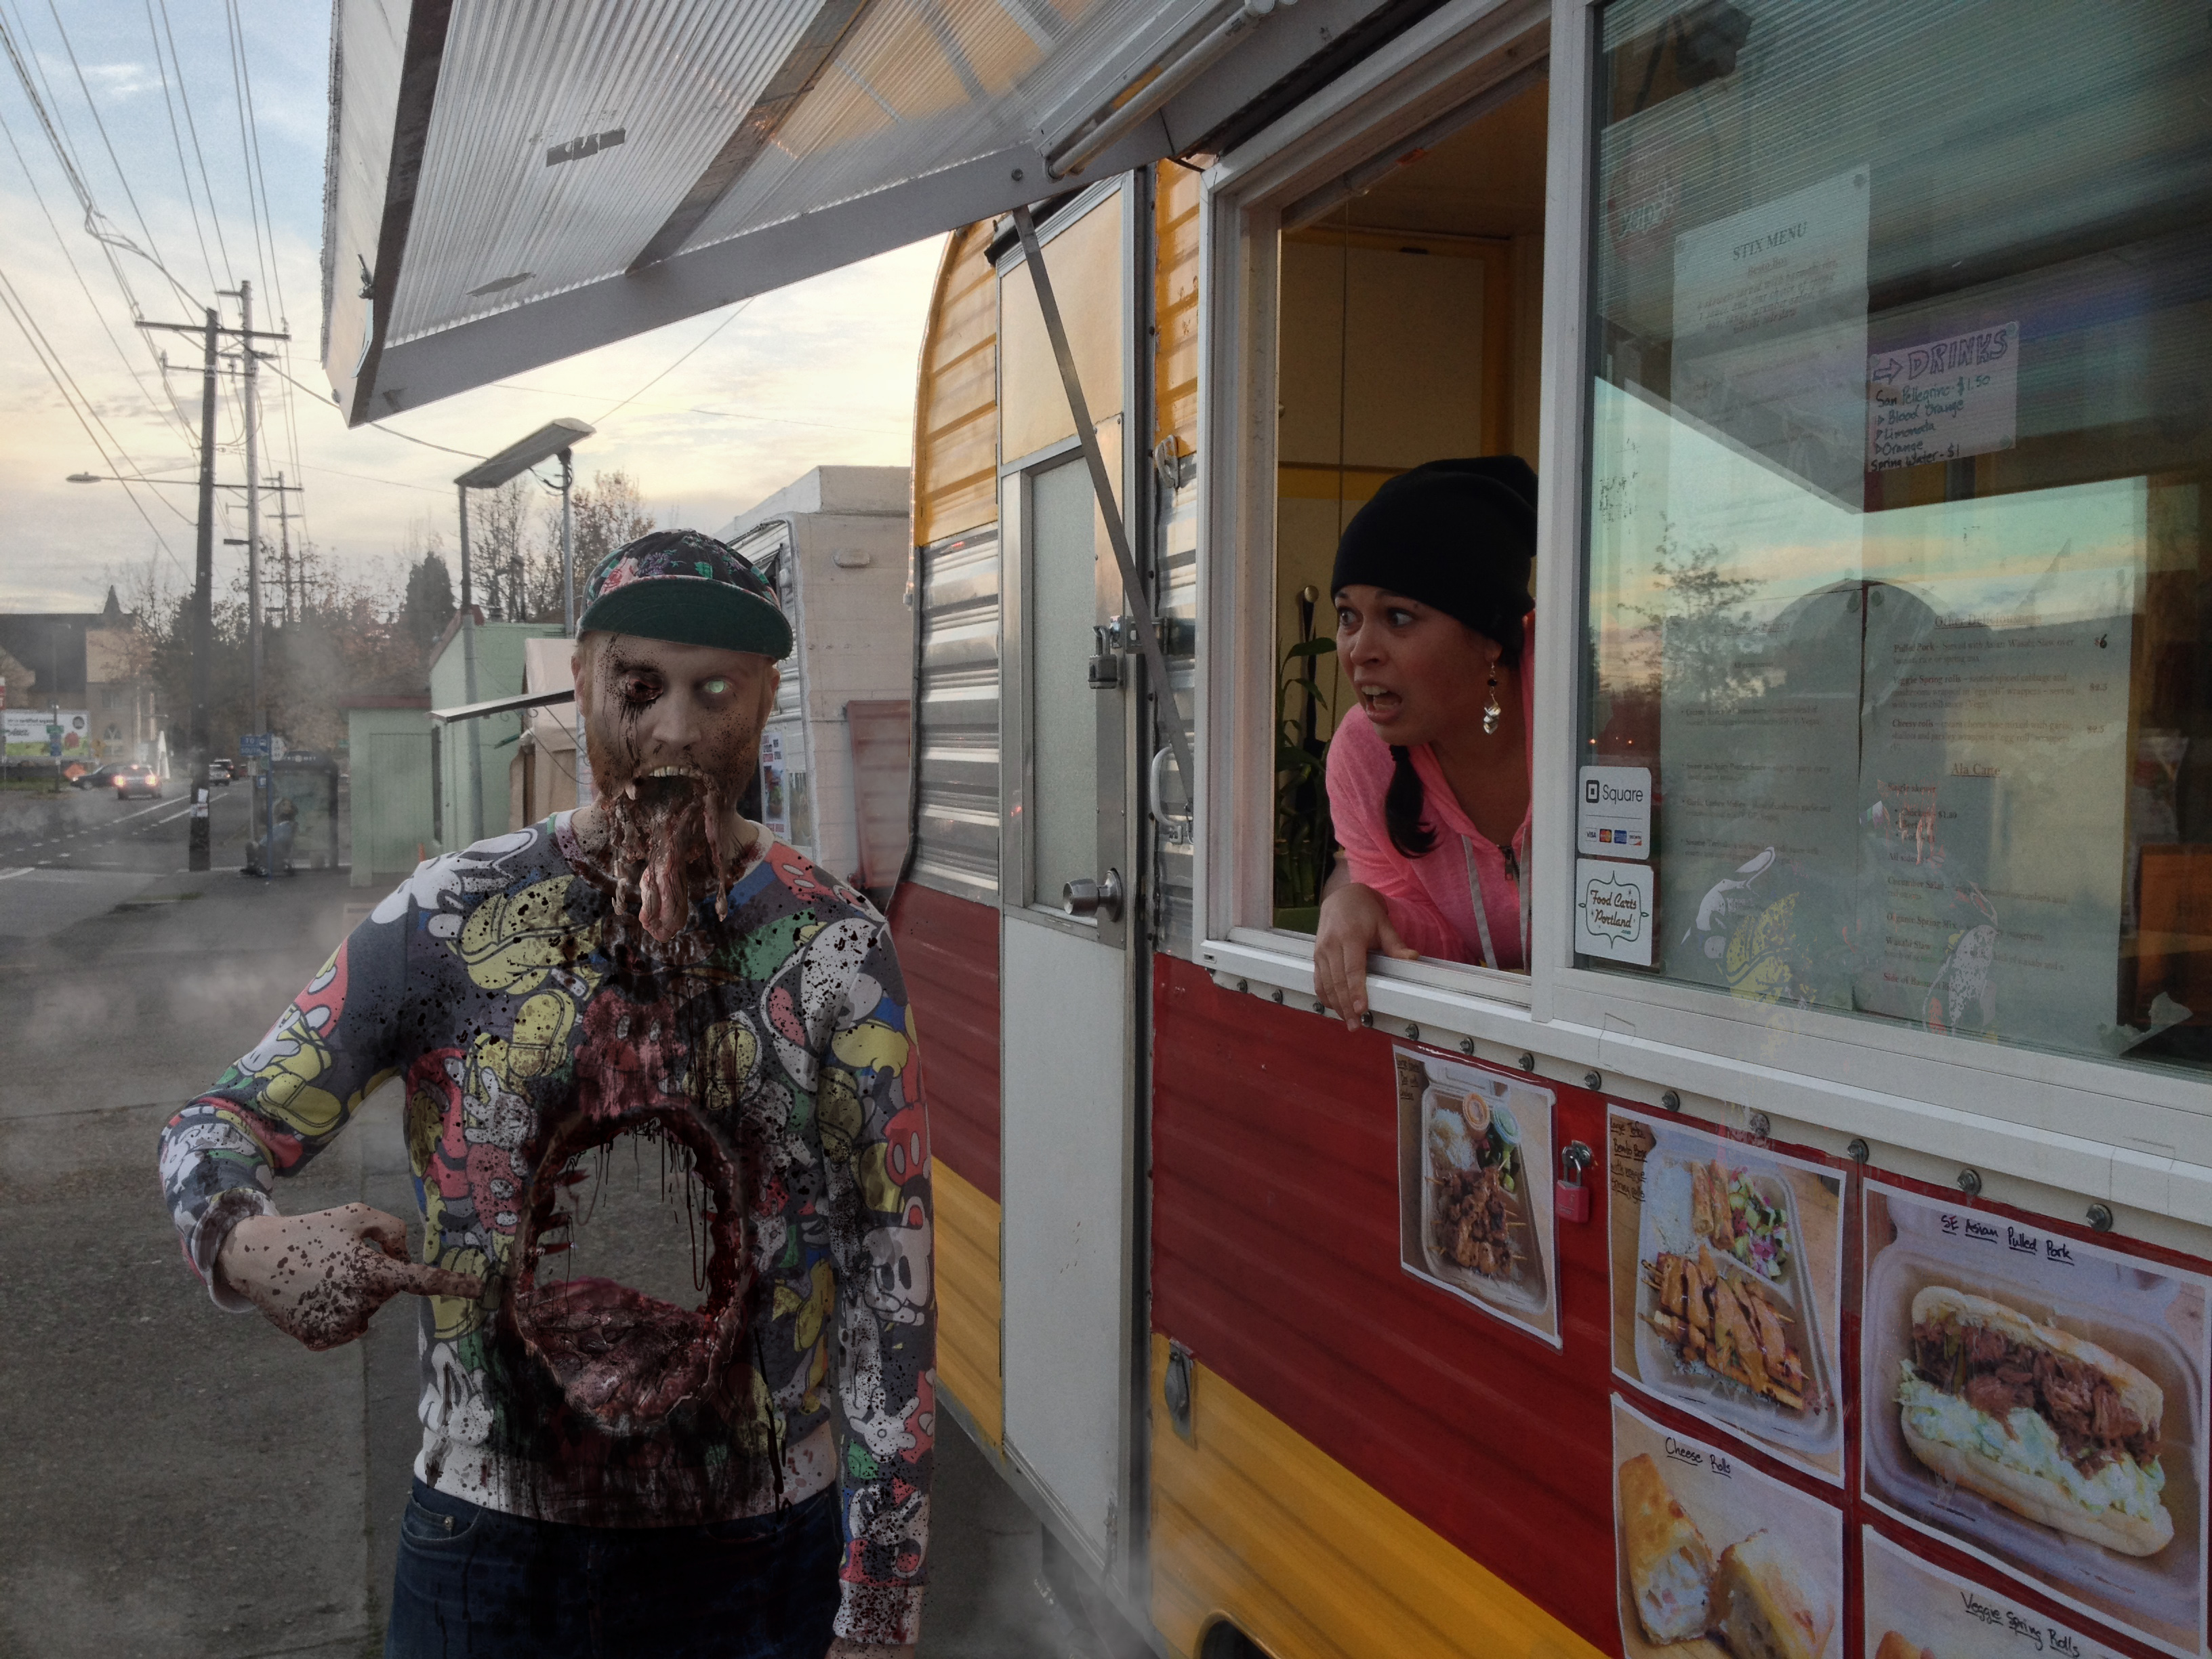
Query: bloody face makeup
673, 733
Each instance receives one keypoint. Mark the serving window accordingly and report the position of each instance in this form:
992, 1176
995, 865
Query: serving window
1408, 324
1898, 697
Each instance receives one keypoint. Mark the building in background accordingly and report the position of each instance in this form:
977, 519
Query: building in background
392, 750
833, 757
543, 775
469, 786
97, 666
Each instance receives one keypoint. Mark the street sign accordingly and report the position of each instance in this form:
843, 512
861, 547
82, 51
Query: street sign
254, 745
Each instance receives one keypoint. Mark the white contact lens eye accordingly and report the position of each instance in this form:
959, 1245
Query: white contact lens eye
715, 688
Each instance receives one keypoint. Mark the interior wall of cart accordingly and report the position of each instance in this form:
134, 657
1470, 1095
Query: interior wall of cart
1412, 321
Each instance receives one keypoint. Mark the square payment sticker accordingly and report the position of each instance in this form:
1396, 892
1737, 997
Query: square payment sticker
1614, 915
1613, 812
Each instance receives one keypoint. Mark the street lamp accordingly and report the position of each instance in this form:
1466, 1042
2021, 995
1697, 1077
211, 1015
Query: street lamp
554, 438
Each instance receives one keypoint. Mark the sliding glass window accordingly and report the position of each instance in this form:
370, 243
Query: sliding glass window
1898, 692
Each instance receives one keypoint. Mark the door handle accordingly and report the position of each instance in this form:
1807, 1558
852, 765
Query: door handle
1085, 897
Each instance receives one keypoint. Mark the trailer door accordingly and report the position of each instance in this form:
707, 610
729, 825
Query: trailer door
1066, 1110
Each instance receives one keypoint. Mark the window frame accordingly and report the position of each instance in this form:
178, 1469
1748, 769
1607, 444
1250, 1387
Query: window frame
1016, 475
1930, 1104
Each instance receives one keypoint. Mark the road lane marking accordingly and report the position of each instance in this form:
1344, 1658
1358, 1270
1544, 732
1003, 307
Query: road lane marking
10, 875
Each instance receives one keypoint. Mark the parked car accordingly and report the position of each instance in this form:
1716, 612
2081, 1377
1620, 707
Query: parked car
135, 780
220, 770
97, 777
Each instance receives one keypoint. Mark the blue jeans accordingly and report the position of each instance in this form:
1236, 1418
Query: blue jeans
474, 1583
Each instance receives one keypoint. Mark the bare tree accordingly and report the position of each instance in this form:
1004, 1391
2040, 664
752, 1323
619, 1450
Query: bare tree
608, 512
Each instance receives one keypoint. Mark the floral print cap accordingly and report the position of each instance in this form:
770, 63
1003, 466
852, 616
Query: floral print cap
682, 586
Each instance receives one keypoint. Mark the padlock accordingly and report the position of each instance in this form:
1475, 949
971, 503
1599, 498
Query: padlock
1570, 1199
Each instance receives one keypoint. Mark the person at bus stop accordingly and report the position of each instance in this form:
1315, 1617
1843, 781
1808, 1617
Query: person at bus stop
602, 1472
282, 835
1428, 772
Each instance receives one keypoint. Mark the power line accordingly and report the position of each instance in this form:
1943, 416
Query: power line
153, 247
257, 179
245, 143
56, 371
191, 125
169, 414
736, 311
176, 143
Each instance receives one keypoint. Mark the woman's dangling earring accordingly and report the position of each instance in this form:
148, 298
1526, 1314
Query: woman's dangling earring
1491, 714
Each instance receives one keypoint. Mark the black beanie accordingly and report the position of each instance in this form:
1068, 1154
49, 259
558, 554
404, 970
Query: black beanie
1457, 535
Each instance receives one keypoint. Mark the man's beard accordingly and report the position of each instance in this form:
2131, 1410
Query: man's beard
664, 844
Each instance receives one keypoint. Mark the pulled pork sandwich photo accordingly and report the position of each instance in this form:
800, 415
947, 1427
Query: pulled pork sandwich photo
2046, 1424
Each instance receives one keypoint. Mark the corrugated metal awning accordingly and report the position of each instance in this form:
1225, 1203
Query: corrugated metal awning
513, 181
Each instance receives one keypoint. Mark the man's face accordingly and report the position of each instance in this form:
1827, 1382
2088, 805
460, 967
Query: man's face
673, 733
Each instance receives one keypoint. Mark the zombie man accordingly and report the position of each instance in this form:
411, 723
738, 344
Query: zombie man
604, 1471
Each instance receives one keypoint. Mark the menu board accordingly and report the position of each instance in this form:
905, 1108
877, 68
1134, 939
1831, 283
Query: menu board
1716, 1560
2038, 1402
1727, 1269
1474, 1187
1915, 1610
1942, 400
1993, 773
1770, 331
1906, 793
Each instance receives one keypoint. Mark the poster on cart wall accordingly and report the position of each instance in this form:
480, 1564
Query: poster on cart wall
1716, 1560
1727, 1269
2038, 1402
1915, 1610
1474, 1187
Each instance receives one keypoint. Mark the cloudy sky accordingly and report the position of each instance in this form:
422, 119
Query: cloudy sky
820, 373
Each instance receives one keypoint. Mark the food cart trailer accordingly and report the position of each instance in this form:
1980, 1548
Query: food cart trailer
1808, 1256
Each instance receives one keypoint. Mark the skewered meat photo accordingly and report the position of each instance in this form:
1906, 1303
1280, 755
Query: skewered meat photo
1714, 1317
1727, 1275
1475, 1202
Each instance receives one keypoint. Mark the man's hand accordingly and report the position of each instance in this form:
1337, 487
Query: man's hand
841, 1649
1355, 921
319, 1276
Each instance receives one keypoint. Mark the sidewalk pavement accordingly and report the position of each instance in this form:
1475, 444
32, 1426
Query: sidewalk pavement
187, 1482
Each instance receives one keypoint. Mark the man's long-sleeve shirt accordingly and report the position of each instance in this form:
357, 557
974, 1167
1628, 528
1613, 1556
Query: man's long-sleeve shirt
492, 982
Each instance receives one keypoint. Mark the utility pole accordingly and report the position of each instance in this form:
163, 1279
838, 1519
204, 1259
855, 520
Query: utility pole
252, 375
567, 546
211, 332
202, 856
284, 517
469, 679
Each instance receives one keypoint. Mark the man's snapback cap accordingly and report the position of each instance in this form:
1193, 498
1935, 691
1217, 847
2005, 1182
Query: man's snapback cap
680, 586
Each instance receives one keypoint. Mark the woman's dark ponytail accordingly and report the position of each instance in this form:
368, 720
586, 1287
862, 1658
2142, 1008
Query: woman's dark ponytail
1405, 805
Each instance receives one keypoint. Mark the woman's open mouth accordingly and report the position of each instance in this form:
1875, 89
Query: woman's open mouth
1380, 702
632, 1269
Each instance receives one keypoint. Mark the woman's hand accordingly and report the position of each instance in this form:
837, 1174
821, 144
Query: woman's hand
1355, 922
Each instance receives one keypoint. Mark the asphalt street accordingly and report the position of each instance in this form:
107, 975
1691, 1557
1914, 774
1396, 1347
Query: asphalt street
186, 1482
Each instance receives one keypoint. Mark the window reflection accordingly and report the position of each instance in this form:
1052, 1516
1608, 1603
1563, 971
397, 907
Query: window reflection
1899, 437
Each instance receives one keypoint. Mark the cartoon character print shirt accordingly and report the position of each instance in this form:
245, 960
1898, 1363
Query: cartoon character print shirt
493, 982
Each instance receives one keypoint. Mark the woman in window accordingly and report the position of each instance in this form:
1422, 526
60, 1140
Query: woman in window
1428, 773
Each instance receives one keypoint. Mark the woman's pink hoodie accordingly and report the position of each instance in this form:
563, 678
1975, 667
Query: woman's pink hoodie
1430, 902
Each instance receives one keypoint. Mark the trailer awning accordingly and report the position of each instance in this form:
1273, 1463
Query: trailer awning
513, 181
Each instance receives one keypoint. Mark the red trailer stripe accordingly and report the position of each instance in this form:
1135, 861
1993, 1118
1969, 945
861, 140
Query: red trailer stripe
948, 949
1275, 1260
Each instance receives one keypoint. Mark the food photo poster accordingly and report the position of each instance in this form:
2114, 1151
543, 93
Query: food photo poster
1726, 1273
1915, 1610
1716, 1559
2038, 1402
1474, 1187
